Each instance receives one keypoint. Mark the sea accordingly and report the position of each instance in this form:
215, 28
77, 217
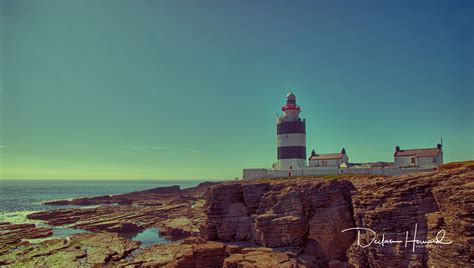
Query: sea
19, 198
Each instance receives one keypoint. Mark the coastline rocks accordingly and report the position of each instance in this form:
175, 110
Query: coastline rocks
260, 257
11, 235
178, 228
81, 250
112, 226
417, 206
309, 214
61, 216
456, 216
178, 213
252, 194
151, 197
196, 252
284, 213
293, 222
161, 190
122, 199
128, 219
189, 253
85, 201
222, 222
330, 213
275, 231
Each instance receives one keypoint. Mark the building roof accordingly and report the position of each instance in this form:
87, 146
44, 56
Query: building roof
326, 156
427, 152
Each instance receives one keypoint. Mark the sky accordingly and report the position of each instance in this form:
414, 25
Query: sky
190, 89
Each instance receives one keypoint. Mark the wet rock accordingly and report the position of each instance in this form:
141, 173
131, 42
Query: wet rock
81, 250
178, 228
127, 219
161, 190
11, 235
115, 226
190, 253
260, 257
86, 201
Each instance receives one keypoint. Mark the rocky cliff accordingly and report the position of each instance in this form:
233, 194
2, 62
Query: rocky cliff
305, 217
415, 220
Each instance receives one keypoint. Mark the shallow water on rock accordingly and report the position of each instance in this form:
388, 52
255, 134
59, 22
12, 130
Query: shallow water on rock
66, 232
147, 237
58, 232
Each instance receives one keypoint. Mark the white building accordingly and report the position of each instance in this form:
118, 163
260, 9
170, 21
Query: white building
323, 160
420, 158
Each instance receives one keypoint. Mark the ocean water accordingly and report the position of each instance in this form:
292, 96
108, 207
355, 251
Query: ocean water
29, 195
21, 197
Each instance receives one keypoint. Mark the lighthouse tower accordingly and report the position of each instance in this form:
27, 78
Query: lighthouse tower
291, 136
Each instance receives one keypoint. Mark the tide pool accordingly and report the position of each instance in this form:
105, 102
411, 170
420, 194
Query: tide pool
147, 237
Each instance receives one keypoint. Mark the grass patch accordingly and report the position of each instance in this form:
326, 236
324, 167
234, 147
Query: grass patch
455, 165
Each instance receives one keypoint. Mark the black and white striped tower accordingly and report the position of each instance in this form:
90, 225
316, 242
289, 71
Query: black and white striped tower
291, 136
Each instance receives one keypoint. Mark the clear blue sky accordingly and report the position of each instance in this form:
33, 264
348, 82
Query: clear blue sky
189, 89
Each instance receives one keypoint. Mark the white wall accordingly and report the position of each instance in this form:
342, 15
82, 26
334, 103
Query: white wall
254, 173
427, 162
422, 162
404, 161
289, 115
295, 163
329, 162
321, 171
294, 139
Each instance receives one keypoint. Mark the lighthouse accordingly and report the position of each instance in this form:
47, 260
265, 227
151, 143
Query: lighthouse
291, 136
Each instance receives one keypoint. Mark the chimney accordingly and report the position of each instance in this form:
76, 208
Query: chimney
439, 146
343, 151
397, 149
313, 153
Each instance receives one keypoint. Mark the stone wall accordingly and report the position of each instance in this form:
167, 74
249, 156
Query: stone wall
328, 170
